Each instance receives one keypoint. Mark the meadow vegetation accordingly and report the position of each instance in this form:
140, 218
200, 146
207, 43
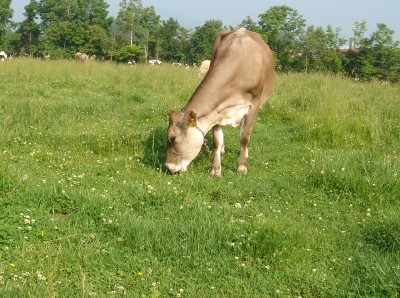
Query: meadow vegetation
87, 208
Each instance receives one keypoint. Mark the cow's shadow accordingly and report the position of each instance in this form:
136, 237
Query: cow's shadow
155, 147
155, 150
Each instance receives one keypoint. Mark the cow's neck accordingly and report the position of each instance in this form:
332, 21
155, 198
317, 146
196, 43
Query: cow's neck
211, 100
209, 113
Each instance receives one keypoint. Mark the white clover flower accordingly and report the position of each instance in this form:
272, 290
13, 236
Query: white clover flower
40, 276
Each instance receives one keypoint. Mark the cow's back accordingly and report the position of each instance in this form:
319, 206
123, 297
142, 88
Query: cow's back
243, 61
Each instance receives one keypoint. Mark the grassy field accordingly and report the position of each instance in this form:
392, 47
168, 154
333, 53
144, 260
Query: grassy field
87, 209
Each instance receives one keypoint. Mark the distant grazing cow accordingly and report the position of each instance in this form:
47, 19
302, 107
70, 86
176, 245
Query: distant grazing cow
81, 57
3, 56
155, 62
239, 81
42, 55
204, 66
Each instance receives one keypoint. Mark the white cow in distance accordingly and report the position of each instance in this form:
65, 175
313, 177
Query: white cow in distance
204, 66
3, 55
155, 62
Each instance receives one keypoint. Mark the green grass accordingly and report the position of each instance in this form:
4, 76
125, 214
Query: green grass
87, 208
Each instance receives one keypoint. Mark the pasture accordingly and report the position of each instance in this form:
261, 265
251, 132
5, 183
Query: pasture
87, 210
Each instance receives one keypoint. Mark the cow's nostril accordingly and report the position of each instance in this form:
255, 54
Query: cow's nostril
171, 139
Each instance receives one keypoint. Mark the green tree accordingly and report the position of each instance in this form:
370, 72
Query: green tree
127, 22
96, 14
360, 60
172, 42
249, 24
136, 25
320, 50
202, 40
29, 29
6, 14
385, 51
334, 43
150, 26
128, 53
69, 26
139, 26
360, 39
97, 41
282, 27
62, 39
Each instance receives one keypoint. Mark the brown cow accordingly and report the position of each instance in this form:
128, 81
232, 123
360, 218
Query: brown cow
239, 81
81, 57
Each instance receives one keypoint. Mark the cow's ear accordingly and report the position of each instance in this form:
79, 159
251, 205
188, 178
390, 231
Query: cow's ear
171, 115
190, 119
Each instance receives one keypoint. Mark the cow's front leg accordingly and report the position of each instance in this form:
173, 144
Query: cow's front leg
218, 140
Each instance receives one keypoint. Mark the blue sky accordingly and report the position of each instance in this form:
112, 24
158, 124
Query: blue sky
339, 13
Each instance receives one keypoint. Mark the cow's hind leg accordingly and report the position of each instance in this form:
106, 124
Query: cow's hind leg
245, 132
218, 140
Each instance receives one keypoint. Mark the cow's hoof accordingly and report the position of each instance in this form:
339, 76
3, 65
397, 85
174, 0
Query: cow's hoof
215, 173
242, 169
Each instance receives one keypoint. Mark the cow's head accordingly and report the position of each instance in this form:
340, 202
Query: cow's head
184, 140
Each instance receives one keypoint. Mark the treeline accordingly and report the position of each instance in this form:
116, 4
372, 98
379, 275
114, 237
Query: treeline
60, 28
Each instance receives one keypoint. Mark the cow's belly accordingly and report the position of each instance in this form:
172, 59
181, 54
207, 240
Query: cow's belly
233, 115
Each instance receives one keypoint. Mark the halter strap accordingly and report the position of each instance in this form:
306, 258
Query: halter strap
205, 141
202, 132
